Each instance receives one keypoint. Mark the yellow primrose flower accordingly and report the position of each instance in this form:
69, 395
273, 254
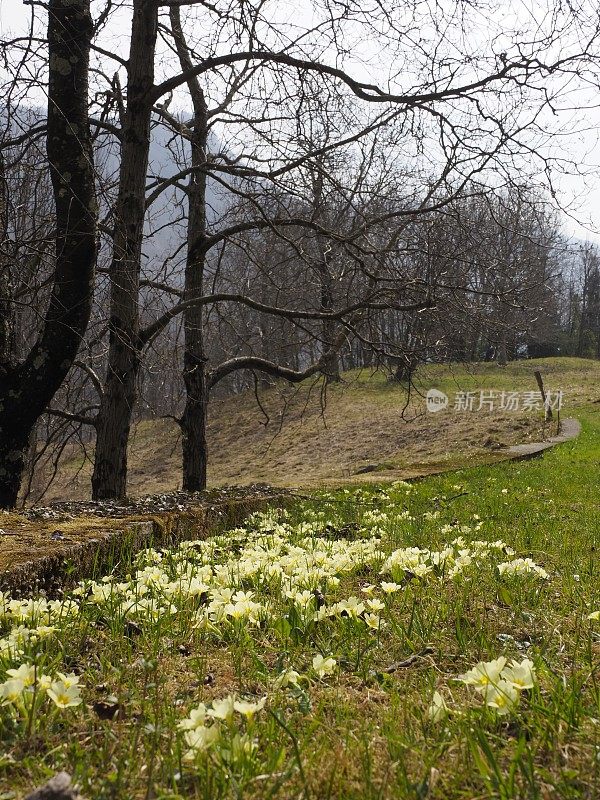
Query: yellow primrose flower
25, 673
11, 690
63, 695
522, 566
222, 709
195, 719
420, 570
323, 666
247, 709
483, 674
44, 682
594, 616
390, 588
352, 607
502, 696
324, 612
69, 680
200, 739
44, 631
520, 675
438, 710
288, 677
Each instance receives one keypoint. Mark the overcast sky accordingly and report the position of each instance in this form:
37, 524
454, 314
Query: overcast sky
580, 139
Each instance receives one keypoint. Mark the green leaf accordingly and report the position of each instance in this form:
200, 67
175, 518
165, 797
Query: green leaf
505, 596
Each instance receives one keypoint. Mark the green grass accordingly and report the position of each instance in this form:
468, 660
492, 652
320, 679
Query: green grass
362, 731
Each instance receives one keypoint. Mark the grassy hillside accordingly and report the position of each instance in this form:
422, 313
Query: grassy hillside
306, 436
431, 641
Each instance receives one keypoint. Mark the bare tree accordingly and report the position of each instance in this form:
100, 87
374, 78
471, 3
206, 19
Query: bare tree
28, 385
456, 119
589, 317
118, 398
6, 309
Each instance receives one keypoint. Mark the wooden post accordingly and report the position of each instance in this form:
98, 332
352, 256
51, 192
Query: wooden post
540, 383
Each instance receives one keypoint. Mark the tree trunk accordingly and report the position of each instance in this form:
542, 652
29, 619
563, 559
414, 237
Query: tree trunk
193, 425
193, 420
109, 479
28, 387
330, 363
406, 367
6, 304
502, 358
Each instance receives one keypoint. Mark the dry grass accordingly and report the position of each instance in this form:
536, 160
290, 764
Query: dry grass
302, 437
21, 539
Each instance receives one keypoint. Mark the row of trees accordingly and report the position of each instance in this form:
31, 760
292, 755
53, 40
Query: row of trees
579, 333
237, 199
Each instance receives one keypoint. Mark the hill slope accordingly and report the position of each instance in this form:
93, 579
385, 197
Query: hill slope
304, 436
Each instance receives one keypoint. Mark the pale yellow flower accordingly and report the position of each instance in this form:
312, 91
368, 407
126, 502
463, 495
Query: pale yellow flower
247, 709
44, 631
323, 666
352, 607
287, 678
11, 690
195, 719
44, 682
63, 695
438, 710
25, 673
502, 696
483, 674
522, 566
520, 675
200, 739
222, 709
69, 680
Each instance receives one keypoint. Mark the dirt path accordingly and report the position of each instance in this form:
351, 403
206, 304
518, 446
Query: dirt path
569, 429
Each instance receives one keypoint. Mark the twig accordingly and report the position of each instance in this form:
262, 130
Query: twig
408, 662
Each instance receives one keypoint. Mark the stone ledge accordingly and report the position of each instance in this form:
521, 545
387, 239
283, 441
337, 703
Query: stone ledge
104, 549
